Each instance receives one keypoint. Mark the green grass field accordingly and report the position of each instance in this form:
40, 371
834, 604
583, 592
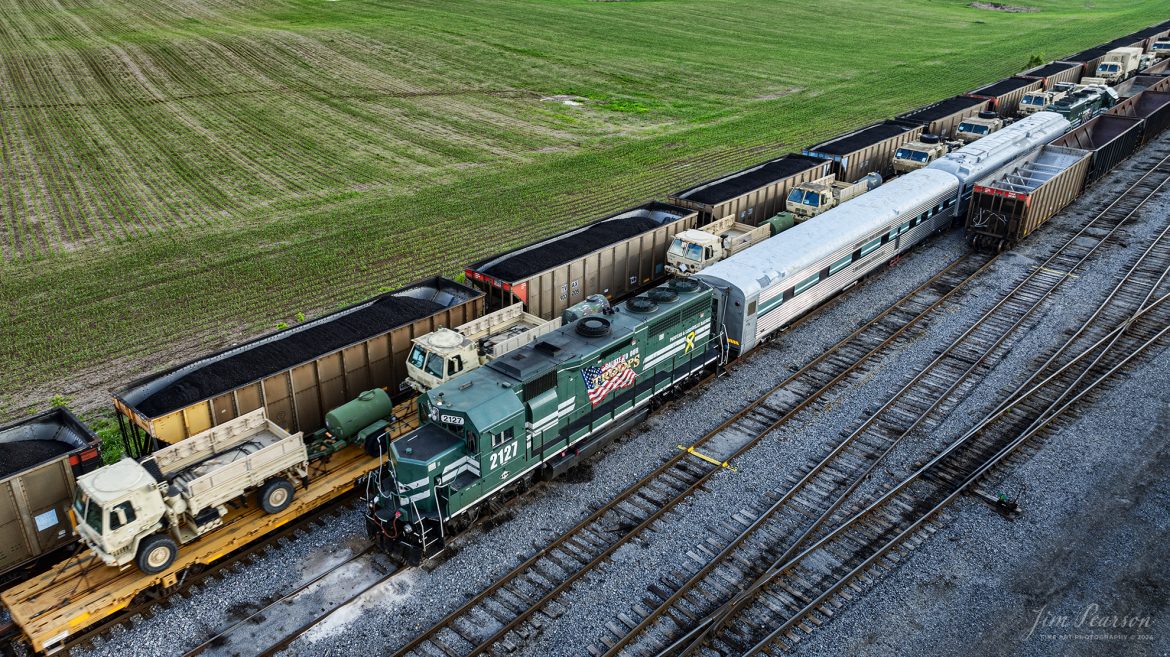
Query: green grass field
181, 175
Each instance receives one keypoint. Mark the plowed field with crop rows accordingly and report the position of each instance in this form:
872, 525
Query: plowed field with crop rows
180, 175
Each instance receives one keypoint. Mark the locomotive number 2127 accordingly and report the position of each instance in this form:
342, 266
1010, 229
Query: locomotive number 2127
504, 455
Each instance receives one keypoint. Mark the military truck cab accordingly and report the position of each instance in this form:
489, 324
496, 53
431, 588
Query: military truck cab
133, 512
1161, 48
438, 357
919, 153
1039, 101
116, 508
691, 251
977, 127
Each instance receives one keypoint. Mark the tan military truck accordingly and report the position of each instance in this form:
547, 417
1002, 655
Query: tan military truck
1160, 48
1040, 100
698, 248
809, 199
444, 353
1122, 63
921, 152
141, 511
978, 127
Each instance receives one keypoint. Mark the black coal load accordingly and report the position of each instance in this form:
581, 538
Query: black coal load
566, 248
282, 352
754, 178
20, 454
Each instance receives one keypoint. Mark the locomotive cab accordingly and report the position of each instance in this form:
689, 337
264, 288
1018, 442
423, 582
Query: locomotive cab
468, 441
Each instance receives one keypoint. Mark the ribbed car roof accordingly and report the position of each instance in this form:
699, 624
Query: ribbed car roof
801, 246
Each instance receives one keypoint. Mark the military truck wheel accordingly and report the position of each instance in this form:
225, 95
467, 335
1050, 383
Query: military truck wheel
156, 553
276, 495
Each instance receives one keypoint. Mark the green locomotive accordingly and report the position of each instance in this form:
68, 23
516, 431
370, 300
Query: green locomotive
537, 412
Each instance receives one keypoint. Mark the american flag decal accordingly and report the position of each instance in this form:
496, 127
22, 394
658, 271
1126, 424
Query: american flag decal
614, 375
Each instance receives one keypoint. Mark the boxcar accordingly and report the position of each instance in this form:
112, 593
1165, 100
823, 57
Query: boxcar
1005, 95
943, 117
864, 151
40, 458
614, 256
297, 374
1021, 196
1109, 138
1152, 107
753, 194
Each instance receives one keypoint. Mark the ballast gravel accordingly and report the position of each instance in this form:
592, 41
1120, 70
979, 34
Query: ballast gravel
943, 604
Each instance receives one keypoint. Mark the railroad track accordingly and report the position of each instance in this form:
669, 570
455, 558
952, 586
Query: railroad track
508, 608
766, 590
151, 598
246, 626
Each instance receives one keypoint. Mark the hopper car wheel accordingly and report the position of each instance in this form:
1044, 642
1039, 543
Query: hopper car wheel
156, 553
276, 495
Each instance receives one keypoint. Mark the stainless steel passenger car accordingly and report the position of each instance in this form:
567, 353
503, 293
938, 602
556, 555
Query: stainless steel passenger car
766, 287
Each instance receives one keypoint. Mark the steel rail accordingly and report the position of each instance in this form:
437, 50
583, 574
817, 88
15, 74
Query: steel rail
696, 635
283, 598
986, 467
677, 458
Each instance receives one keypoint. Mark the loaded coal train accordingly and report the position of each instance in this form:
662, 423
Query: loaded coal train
542, 408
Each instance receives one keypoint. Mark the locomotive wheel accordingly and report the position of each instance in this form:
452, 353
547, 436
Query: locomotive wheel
156, 553
275, 495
